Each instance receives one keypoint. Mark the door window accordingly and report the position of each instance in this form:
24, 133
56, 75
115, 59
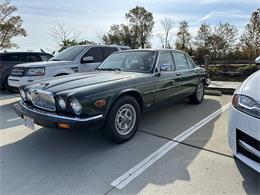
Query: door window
165, 59
190, 62
180, 61
107, 51
30, 57
96, 53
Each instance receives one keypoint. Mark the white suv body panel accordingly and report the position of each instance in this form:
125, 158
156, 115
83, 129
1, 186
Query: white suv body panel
56, 68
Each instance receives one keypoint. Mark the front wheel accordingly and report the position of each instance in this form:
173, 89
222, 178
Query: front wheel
123, 120
198, 95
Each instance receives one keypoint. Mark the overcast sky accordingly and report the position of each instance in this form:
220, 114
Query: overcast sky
91, 16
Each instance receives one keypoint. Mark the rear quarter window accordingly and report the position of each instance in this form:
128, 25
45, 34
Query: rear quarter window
10, 57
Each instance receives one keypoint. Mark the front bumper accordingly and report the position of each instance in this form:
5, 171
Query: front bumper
19, 81
244, 137
51, 120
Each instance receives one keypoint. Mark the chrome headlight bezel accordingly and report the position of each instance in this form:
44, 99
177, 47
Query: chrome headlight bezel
28, 96
22, 94
75, 106
39, 71
247, 105
61, 103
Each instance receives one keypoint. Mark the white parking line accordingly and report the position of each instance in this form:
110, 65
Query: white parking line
127, 177
14, 119
8, 96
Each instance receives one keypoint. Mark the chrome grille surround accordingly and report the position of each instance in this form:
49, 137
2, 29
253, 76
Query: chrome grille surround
43, 99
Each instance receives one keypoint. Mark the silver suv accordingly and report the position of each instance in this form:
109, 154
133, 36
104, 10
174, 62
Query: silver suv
80, 58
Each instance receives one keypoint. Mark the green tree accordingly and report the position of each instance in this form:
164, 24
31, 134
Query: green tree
69, 43
121, 35
141, 22
10, 25
225, 36
183, 41
202, 40
250, 39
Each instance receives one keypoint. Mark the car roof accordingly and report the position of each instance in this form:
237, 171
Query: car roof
156, 50
101, 45
23, 52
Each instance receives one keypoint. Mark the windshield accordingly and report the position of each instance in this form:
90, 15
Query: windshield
68, 54
134, 61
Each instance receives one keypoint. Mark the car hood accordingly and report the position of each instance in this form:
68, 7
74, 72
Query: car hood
91, 79
251, 87
43, 64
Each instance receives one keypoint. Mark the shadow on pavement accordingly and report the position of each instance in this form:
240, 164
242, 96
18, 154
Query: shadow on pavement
251, 181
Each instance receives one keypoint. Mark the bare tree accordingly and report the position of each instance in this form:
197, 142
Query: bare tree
62, 33
167, 24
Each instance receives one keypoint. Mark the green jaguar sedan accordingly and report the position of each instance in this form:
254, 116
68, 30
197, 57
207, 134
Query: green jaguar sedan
115, 96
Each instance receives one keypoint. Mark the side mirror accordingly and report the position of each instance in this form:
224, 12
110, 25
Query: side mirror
165, 67
87, 59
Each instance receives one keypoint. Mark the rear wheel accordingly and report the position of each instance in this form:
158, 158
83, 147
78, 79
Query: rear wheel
198, 95
123, 120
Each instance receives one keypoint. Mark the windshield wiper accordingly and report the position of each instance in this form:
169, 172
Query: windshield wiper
108, 69
55, 60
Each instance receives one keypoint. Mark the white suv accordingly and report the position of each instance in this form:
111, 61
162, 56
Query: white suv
80, 58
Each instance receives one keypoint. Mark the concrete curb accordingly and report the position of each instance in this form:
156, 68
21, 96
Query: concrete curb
227, 91
213, 92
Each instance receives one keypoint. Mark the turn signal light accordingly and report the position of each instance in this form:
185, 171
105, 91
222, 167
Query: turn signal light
100, 103
63, 126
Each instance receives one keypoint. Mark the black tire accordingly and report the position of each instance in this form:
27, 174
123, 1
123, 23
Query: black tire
197, 97
111, 128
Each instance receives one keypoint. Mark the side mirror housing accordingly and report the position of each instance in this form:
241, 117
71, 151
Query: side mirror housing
165, 67
87, 59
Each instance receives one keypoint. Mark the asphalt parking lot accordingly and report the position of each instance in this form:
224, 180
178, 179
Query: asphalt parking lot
179, 149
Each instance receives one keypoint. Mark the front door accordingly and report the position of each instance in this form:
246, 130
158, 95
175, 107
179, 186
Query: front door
167, 81
96, 53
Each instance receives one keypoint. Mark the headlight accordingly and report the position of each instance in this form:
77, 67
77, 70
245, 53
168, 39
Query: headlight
22, 93
247, 105
35, 71
62, 103
76, 106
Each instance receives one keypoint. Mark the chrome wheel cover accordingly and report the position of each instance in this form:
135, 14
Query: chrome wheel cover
125, 119
200, 91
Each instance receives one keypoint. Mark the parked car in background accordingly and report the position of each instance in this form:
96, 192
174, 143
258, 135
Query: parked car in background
81, 58
124, 86
9, 59
257, 61
244, 122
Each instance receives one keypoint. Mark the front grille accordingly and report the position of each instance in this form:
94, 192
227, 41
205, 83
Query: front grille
248, 146
43, 99
18, 71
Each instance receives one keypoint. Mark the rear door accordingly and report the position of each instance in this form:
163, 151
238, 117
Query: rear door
107, 51
167, 82
96, 53
187, 72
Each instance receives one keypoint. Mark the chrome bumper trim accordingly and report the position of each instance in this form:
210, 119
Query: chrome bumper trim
249, 148
76, 119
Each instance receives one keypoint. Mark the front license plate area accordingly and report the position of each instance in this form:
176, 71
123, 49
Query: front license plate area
28, 122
